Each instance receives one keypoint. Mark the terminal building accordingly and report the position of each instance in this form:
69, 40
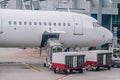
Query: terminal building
110, 9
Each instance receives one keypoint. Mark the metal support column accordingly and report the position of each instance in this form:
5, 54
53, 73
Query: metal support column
31, 4
99, 15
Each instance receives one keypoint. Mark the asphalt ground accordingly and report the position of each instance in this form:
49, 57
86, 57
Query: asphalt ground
20, 64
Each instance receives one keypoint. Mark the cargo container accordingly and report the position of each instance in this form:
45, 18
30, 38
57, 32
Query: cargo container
98, 59
68, 61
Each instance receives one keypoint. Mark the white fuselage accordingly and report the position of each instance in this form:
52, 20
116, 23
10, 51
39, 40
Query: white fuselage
25, 28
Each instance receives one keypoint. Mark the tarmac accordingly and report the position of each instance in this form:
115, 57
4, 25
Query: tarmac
21, 55
27, 64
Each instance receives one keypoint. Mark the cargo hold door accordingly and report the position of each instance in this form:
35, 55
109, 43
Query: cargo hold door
78, 27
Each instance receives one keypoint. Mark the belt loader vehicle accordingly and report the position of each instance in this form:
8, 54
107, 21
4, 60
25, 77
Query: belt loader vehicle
53, 46
98, 59
68, 61
115, 55
61, 61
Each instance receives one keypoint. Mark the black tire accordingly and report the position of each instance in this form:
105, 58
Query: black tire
44, 64
65, 71
115, 66
54, 70
81, 70
112, 65
109, 67
98, 69
71, 71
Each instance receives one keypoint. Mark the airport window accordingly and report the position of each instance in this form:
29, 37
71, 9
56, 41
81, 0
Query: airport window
15, 22
68, 24
64, 24
45, 23
54, 24
10, 22
35, 23
49, 24
25, 23
20, 23
59, 24
30, 23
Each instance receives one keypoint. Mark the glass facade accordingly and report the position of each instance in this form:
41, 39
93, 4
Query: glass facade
116, 22
116, 18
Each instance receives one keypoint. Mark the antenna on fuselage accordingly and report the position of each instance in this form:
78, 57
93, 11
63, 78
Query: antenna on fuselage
68, 8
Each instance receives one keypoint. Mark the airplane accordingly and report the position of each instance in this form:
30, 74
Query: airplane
28, 28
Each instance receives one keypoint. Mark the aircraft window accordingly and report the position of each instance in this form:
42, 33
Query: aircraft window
15, 22
49, 24
35, 23
45, 23
20, 23
25, 23
68, 24
54, 24
40, 23
96, 24
30, 23
64, 24
59, 24
10, 22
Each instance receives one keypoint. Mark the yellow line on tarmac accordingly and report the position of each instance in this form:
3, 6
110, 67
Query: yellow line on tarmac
33, 67
36, 68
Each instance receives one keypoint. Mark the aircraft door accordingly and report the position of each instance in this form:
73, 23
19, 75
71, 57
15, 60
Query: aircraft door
78, 27
46, 36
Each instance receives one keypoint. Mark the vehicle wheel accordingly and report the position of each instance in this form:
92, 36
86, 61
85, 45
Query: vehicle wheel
81, 70
97, 69
114, 65
87, 69
54, 70
44, 64
109, 67
65, 71
71, 71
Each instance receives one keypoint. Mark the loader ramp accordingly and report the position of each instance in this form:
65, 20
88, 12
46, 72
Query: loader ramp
53, 46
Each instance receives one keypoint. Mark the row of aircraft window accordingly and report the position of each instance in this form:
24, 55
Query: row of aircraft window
38, 23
